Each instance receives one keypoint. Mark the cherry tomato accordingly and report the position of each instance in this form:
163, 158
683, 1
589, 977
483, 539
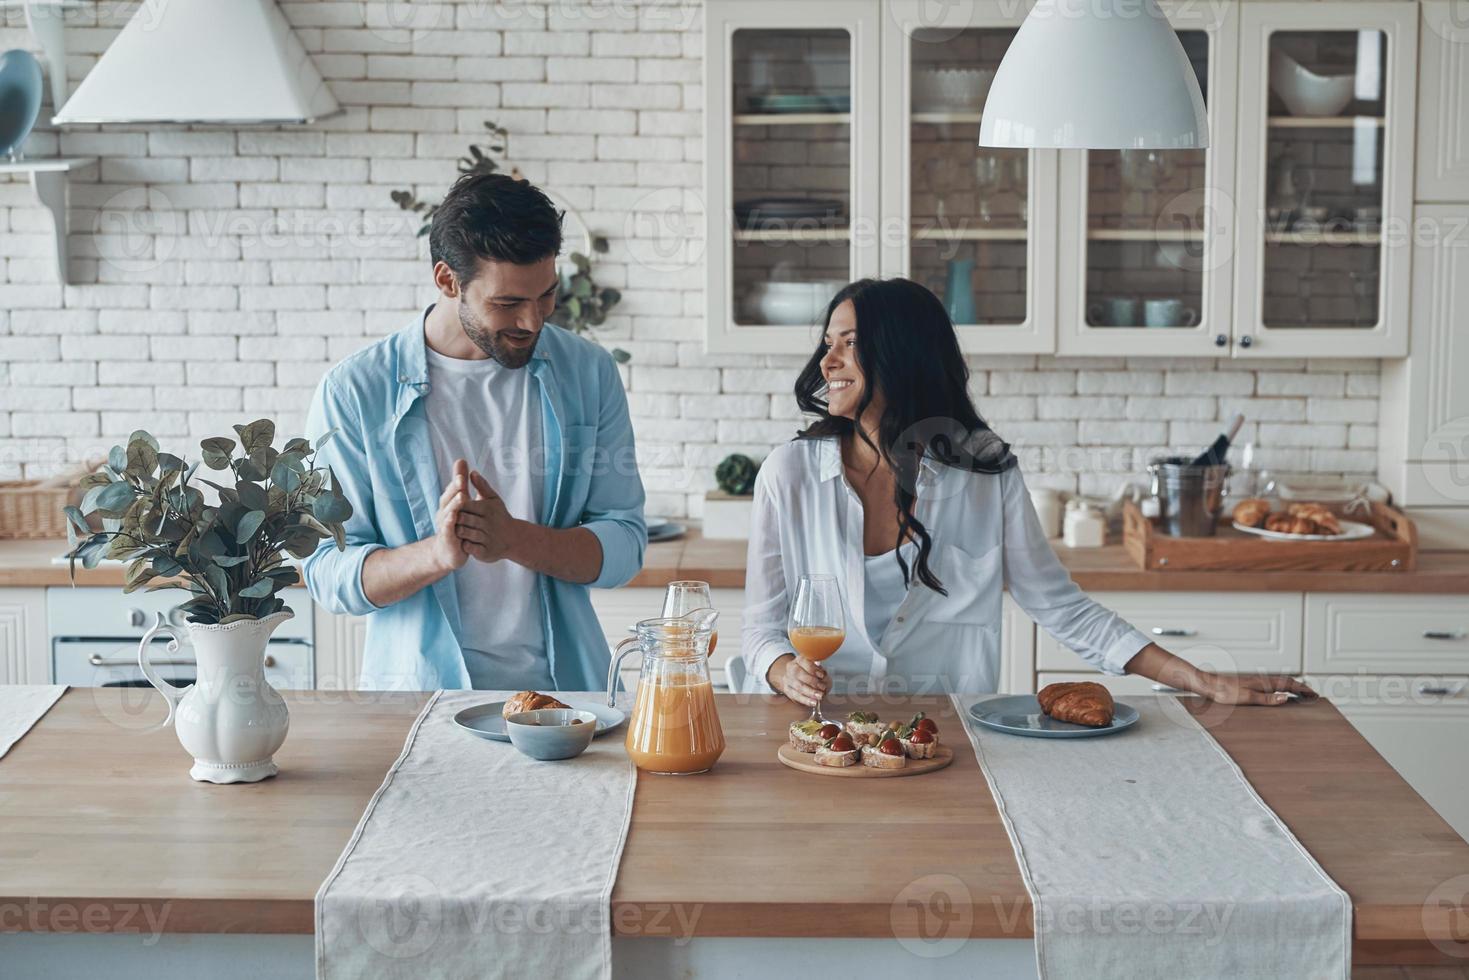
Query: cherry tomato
828, 731
841, 743
922, 736
891, 747
925, 725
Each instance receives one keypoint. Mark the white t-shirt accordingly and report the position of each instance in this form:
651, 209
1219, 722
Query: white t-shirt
490, 415
885, 589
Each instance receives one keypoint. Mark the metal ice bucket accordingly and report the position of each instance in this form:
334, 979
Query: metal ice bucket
1190, 498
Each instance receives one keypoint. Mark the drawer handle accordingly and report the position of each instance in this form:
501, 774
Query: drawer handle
1165, 689
1443, 634
99, 661
1434, 689
1173, 631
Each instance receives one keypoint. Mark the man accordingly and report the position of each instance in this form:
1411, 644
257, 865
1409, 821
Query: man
489, 460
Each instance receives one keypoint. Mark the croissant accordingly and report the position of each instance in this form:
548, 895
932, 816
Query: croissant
1084, 703
529, 701
1289, 524
1325, 520
1252, 512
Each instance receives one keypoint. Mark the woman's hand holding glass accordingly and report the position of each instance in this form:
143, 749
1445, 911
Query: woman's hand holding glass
799, 679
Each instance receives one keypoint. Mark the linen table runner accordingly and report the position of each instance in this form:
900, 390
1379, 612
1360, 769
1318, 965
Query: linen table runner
1148, 853
21, 706
473, 860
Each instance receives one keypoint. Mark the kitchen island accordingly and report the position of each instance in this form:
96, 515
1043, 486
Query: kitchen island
106, 835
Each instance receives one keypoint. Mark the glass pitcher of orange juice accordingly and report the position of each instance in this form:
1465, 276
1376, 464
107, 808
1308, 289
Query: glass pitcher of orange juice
674, 728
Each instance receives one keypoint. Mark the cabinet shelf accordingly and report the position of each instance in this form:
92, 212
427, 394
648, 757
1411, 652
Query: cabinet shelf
1142, 235
791, 234
793, 119
1324, 122
944, 118
1323, 238
970, 234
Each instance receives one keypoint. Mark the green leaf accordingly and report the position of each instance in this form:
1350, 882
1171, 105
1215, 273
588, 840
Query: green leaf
169, 463
249, 524
620, 356
114, 499
230, 561
216, 452
117, 458
331, 509
259, 589
297, 445
326, 437
286, 477
252, 496
248, 469
142, 458
138, 575
144, 436
256, 436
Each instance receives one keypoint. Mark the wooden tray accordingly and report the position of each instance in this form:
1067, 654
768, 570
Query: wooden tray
1394, 548
806, 762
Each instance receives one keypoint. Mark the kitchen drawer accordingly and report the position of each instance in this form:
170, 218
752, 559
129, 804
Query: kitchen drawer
1387, 634
1227, 632
1419, 724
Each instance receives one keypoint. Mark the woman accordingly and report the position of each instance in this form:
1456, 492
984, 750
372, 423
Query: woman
902, 492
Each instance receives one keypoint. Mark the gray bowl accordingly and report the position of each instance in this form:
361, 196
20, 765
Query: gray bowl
552, 733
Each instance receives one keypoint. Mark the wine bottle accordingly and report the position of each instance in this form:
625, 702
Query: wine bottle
1215, 454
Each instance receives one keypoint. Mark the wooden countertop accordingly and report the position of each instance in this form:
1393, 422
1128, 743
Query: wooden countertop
722, 565
1108, 569
98, 810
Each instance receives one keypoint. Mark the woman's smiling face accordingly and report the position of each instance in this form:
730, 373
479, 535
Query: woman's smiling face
845, 381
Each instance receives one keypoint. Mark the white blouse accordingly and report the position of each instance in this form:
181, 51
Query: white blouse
986, 537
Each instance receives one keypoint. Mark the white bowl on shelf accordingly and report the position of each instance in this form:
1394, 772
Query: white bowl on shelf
1306, 93
951, 89
790, 304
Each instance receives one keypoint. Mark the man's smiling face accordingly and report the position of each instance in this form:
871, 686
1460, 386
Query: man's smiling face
503, 308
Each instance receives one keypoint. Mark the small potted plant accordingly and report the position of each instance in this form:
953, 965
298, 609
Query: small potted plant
728, 510
232, 553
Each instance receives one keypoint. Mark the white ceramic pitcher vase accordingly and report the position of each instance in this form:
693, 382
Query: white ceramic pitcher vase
230, 720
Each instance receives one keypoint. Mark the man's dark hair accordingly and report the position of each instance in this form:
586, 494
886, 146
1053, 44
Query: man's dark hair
493, 216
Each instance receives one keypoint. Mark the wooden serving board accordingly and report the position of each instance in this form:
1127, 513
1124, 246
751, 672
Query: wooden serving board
1394, 548
806, 762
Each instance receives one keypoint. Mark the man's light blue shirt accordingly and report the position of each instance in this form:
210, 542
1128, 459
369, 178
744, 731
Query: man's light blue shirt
382, 458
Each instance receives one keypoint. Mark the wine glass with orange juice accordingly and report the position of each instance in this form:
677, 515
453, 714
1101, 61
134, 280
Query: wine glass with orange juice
818, 626
683, 598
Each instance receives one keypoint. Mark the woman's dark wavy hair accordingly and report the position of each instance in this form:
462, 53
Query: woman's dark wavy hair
908, 350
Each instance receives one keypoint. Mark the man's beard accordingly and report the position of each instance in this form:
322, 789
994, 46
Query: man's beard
489, 342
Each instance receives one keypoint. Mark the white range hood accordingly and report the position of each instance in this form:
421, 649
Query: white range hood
215, 62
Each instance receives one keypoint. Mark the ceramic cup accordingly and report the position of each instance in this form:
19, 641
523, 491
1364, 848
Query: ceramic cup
1114, 311
1169, 313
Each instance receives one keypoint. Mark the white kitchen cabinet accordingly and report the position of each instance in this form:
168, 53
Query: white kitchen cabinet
1229, 632
25, 652
1017, 646
1419, 725
1443, 102
340, 641
1325, 191
1423, 452
977, 226
791, 113
1145, 261
1387, 634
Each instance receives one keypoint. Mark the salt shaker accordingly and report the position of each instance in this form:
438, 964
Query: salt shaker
1085, 525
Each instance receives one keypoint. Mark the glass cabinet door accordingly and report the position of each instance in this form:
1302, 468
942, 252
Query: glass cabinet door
965, 219
1146, 233
1328, 120
798, 220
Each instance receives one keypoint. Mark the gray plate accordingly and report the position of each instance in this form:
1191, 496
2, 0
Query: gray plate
667, 532
1020, 714
484, 719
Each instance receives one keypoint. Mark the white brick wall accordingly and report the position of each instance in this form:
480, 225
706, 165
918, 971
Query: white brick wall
216, 274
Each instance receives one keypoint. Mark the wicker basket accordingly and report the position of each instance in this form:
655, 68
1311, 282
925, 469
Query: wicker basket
28, 510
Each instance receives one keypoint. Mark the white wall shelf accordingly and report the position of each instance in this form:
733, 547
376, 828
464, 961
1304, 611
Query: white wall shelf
49, 179
791, 235
970, 234
1325, 122
1144, 235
